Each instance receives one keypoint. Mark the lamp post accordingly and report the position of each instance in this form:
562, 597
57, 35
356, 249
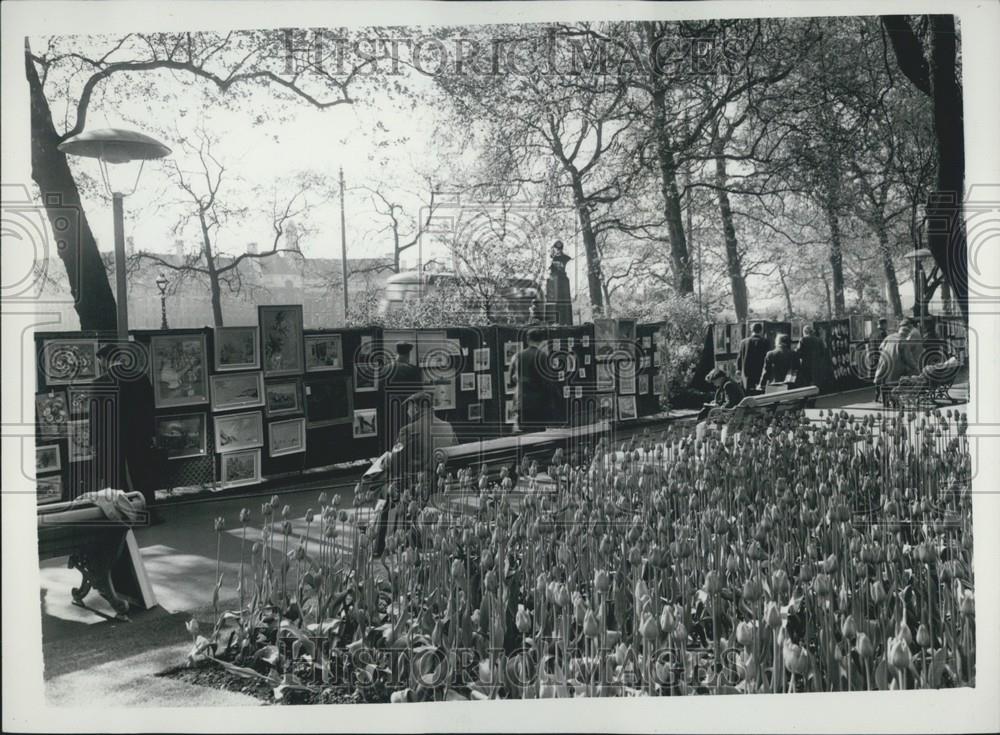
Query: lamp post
117, 147
919, 283
162, 283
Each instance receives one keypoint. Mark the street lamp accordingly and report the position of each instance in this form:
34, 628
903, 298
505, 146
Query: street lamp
117, 147
919, 282
161, 283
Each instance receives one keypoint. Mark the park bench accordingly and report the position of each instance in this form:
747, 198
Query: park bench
764, 406
102, 549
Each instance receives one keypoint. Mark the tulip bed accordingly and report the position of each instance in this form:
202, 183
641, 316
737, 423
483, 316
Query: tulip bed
833, 555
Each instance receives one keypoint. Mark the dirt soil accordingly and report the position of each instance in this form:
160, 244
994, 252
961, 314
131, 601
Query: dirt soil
213, 676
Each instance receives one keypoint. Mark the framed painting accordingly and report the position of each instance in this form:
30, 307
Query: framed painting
719, 332
81, 446
467, 381
286, 437
66, 361
177, 370
606, 406
796, 331
365, 347
80, 400
642, 385
236, 348
475, 412
49, 489
282, 397
508, 382
433, 349
238, 431
509, 412
365, 423
324, 352
328, 401
626, 408
241, 468
365, 377
485, 391
281, 339
444, 394
509, 350
181, 436
237, 390
658, 385
47, 458
605, 376
481, 359
51, 413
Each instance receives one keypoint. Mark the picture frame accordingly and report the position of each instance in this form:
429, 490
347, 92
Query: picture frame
238, 431
177, 370
281, 344
365, 377
68, 361
508, 382
47, 458
182, 436
286, 437
796, 331
719, 332
365, 347
79, 401
81, 447
240, 468
606, 406
328, 401
657, 385
48, 489
627, 408
443, 391
237, 390
485, 387
510, 411
626, 383
433, 349
475, 412
236, 348
642, 385
509, 350
467, 381
324, 352
365, 423
481, 359
605, 376
51, 413
283, 397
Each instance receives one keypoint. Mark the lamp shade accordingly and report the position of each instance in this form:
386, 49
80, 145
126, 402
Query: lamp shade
114, 145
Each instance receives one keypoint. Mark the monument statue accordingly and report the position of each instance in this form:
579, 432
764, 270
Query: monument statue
558, 302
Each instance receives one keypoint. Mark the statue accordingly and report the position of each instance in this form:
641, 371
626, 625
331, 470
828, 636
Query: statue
558, 302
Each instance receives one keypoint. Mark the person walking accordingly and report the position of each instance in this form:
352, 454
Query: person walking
534, 385
815, 367
403, 380
780, 364
750, 362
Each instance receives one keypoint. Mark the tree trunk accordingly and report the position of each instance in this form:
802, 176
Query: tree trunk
889, 271
836, 262
213, 274
788, 295
829, 300
595, 281
736, 279
93, 298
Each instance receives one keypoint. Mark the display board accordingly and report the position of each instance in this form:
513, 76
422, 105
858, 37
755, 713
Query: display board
649, 385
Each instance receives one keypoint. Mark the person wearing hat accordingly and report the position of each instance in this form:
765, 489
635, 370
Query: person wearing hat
728, 392
750, 363
534, 385
413, 451
403, 380
895, 358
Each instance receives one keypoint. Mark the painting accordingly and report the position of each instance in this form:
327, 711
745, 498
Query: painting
642, 385
281, 339
324, 352
626, 408
605, 376
605, 337
282, 397
467, 381
81, 447
177, 370
80, 402
182, 435
606, 406
328, 401
509, 350
658, 385
236, 348
51, 413
242, 390
509, 412
365, 423
444, 394
475, 412
49, 489
508, 382
241, 468
238, 431
66, 361
433, 349
286, 437
796, 331
719, 332
485, 392
47, 458
365, 347
365, 377
481, 359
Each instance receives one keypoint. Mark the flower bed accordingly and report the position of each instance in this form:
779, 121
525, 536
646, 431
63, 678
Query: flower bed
831, 556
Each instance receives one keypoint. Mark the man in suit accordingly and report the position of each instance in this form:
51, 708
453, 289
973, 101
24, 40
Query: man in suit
895, 357
534, 385
750, 362
780, 364
404, 379
814, 361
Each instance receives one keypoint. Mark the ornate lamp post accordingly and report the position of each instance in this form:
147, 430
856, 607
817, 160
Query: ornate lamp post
162, 283
919, 282
117, 147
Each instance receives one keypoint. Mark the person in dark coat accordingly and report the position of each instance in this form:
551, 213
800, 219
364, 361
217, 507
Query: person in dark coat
780, 364
403, 380
750, 362
728, 392
534, 385
815, 367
